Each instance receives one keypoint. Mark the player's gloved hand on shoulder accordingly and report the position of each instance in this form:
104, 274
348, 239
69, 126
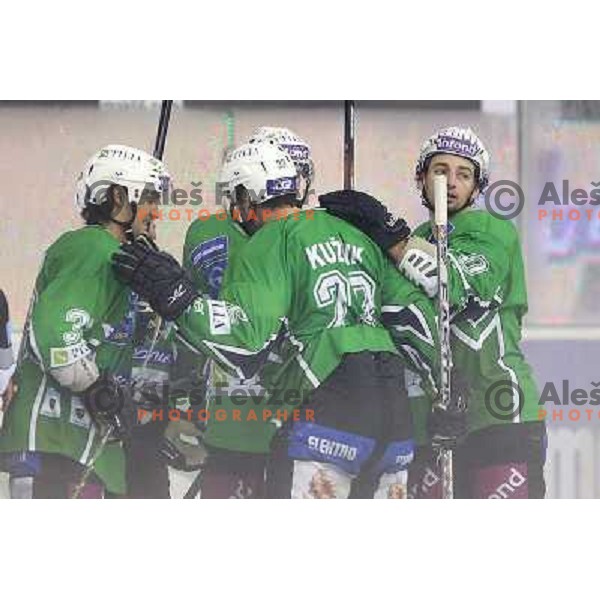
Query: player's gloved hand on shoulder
155, 276
447, 426
414, 257
367, 214
417, 261
110, 406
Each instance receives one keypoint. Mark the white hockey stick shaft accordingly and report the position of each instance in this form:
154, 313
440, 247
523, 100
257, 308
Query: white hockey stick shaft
89, 467
440, 193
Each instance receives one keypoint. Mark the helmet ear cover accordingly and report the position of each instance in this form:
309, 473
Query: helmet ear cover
98, 214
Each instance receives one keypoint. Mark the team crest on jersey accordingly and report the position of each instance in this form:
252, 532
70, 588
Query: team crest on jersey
474, 264
51, 404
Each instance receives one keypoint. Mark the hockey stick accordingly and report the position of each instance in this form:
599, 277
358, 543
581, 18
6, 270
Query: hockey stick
440, 193
163, 128
159, 150
194, 487
349, 130
89, 467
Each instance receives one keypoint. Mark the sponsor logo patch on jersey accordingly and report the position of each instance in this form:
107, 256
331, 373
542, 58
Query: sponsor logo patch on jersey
236, 314
121, 333
79, 415
412, 382
198, 306
51, 404
210, 259
219, 318
61, 357
157, 357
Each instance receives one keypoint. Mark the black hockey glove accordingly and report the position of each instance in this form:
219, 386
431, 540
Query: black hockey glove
367, 214
155, 276
109, 405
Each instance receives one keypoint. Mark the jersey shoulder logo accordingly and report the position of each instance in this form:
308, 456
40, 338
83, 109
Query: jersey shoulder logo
474, 264
210, 260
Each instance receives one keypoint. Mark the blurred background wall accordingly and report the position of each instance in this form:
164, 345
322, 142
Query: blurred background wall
43, 146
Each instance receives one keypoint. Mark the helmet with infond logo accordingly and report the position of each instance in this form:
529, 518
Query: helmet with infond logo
459, 141
293, 144
265, 170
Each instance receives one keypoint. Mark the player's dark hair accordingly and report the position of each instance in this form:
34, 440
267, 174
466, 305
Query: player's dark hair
100, 214
281, 202
240, 192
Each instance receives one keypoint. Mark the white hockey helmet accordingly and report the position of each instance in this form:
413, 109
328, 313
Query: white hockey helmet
264, 169
293, 144
459, 141
134, 169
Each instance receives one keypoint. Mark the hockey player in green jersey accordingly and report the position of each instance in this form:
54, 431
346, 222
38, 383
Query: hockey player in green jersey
235, 467
7, 359
151, 444
77, 346
328, 288
503, 454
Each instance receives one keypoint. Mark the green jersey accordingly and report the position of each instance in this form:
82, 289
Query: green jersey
326, 288
210, 246
78, 308
153, 363
488, 300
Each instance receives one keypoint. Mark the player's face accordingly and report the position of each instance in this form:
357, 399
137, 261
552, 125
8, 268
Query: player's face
460, 173
249, 214
122, 210
145, 219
